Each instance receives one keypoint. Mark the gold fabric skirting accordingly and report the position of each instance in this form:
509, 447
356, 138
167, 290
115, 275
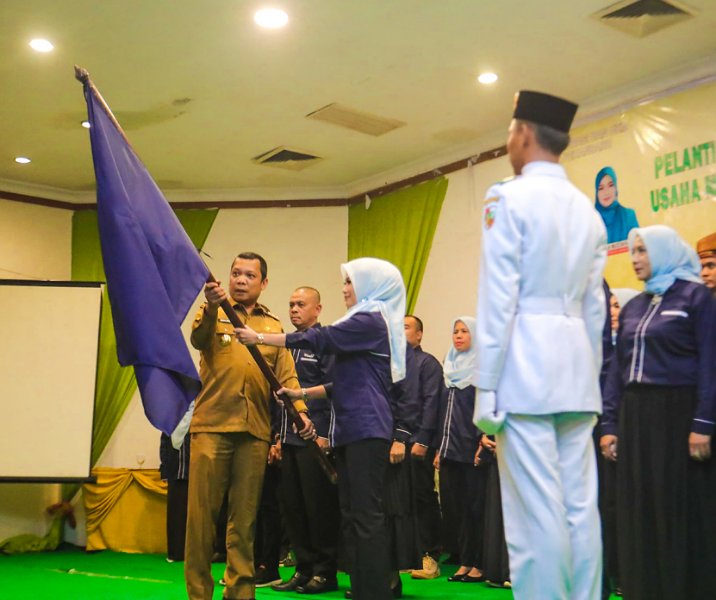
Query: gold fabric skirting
126, 511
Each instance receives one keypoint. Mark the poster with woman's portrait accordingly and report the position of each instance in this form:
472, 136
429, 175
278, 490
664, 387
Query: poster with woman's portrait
652, 164
618, 219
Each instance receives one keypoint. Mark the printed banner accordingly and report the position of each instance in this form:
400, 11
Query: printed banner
652, 164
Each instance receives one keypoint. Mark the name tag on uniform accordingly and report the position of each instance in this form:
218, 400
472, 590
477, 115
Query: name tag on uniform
674, 313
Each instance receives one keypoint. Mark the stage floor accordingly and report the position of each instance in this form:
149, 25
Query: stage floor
71, 574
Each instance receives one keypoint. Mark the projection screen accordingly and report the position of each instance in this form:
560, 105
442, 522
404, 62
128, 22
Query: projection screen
48, 371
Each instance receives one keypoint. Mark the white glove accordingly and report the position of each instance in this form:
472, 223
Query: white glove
486, 415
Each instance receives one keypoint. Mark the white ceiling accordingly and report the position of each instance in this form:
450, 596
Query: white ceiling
200, 90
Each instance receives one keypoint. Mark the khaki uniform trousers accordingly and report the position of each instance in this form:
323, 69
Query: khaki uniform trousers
235, 462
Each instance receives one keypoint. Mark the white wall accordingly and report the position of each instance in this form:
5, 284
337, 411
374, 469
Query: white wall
449, 287
35, 243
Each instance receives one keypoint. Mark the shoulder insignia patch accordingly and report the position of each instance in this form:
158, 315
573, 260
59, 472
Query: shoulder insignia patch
489, 216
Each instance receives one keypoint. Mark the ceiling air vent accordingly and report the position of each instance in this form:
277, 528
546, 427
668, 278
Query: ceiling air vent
286, 158
643, 17
354, 119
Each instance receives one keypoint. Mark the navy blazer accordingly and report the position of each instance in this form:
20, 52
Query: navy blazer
667, 340
362, 382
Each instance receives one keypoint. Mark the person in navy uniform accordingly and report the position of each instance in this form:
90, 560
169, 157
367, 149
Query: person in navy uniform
174, 469
398, 503
540, 317
706, 247
425, 498
658, 423
457, 456
309, 500
369, 347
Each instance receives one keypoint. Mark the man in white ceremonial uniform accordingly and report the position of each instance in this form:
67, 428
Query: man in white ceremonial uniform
540, 316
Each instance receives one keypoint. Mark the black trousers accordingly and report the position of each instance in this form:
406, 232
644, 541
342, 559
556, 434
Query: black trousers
607, 474
464, 499
309, 502
425, 501
495, 560
269, 525
177, 495
448, 519
361, 476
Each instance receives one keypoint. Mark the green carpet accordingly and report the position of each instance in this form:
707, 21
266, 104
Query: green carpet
70, 574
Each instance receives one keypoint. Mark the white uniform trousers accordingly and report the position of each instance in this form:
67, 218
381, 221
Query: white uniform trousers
548, 479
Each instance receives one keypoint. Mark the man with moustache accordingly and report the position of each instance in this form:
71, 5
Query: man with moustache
308, 499
230, 429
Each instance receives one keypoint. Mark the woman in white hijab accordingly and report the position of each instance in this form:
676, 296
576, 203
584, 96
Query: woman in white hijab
658, 422
369, 346
457, 457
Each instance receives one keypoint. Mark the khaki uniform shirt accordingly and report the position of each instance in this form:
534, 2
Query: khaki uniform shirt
235, 395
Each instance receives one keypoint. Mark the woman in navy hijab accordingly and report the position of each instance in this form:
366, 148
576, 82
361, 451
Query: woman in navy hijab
618, 219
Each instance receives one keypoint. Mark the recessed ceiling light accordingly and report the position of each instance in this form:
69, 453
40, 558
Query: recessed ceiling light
270, 18
86, 124
487, 78
41, 45
23, 160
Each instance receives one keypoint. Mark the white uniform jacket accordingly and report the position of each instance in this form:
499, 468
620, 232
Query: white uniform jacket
541, 307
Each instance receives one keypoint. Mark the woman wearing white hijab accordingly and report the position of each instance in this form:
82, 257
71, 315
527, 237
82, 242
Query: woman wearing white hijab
462, 483
369, 346
658, 422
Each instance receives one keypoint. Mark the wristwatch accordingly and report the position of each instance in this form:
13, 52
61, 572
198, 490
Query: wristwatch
260, 338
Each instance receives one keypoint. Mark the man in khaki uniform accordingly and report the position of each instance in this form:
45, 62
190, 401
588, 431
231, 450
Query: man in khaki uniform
231, 430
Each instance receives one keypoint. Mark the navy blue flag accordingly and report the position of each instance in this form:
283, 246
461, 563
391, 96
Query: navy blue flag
153, 271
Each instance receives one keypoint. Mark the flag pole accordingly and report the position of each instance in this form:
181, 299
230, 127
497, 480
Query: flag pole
82, 75
276, 386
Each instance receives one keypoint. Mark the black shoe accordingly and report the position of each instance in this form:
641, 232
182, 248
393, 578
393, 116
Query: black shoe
288, 586
348, 593
265, 578
318, 585
397, 589
469, 579
457, 577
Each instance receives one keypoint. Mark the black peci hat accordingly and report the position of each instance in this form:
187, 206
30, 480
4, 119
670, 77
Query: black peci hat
544, 109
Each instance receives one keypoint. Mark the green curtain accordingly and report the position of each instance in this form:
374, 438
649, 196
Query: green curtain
399, 227
115, 384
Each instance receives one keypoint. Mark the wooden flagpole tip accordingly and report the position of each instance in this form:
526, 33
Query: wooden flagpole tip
81, 75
